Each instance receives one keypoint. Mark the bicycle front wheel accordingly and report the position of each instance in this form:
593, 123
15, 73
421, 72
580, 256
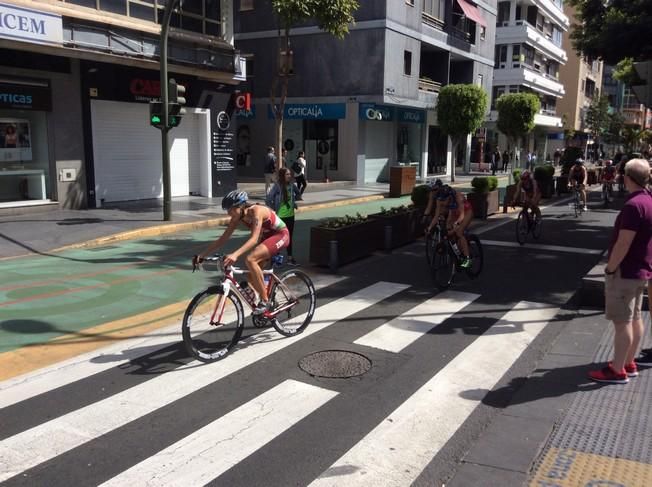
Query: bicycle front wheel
536, 226
576, 205
293, 302
521, 227
475, 252
212, 324
431, 243
443, 265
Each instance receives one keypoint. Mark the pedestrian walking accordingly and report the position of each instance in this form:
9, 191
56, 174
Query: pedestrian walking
627, 274
496, 162
505, 160
557, 157
299, 170
282, 199
269, 168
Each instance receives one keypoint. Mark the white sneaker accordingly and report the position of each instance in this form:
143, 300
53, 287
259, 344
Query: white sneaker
585, 208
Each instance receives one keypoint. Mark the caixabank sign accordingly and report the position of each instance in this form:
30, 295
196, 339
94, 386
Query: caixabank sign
27, 25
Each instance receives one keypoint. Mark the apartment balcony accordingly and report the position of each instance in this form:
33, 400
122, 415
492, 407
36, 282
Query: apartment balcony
552, 10
520, 74
426, 84
521, 32
544, 118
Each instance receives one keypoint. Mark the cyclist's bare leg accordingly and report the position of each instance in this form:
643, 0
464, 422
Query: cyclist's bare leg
534, 204
254, 261
582, 194
459, 233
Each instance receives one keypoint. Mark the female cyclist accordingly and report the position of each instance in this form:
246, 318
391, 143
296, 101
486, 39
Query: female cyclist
460, 214
269, 236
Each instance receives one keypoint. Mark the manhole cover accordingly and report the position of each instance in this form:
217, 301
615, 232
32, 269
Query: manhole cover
336, 364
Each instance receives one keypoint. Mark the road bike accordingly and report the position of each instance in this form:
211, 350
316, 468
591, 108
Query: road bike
433, 238
215, 318
607, 193
526, 222
447, 258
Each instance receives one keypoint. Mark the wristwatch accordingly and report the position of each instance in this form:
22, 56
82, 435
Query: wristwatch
609, 273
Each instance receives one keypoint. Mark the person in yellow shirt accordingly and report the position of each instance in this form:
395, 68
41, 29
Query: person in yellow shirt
282, 199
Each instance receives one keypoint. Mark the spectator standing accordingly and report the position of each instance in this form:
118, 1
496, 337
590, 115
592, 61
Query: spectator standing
496, 162
269, 168
282, 199
557, 157
284, 158
299, 170
505, 160
627, 274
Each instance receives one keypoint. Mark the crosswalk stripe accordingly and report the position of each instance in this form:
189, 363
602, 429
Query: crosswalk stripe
47, 440
212, 450
63, 373
551, 248
402, 445
400, 332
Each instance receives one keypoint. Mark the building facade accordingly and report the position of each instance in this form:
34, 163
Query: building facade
582, 78
529, 54
75, 84
363, 104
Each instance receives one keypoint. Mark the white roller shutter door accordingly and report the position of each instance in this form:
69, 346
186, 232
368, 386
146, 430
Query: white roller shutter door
127, 153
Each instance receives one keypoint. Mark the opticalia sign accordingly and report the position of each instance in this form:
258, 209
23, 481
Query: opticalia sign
29, 25
410, 115
316, 111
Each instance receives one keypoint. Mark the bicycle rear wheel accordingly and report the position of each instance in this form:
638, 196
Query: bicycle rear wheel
294, 295
476, 254
443, 265
522, 227
212, 324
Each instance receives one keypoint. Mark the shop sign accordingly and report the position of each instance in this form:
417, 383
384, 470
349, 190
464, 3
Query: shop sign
145, 89
29, 25
26, 96
409, 115
312, 111
371, 111
246, 114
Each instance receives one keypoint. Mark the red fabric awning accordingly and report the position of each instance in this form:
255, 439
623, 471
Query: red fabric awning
472, 12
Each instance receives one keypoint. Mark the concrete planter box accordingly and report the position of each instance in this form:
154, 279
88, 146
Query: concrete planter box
399, 229
484, 204
510, 192
334, 247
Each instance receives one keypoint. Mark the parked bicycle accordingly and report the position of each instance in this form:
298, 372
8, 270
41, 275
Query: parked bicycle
528, 221
215, 318
447, 258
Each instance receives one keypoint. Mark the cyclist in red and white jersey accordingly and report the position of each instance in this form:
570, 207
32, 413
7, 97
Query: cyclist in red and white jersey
269, 236
460, 214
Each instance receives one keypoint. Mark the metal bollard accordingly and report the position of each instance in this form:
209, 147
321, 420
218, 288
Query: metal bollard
332, 256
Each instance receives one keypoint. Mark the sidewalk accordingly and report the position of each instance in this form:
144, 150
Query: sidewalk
53, 230
561, 429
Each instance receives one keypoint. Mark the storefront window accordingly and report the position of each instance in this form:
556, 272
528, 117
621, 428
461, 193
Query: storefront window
321, 140
24, 161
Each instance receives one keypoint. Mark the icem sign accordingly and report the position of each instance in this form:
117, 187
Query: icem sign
29, 25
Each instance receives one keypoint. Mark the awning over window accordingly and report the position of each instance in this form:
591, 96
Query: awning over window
472, 12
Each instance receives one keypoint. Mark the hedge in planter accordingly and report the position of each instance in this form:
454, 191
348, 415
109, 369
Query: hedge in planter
420, 195
399, 225
544, 176
339, 241
484, 197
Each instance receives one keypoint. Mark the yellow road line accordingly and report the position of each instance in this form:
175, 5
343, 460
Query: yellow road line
29, 358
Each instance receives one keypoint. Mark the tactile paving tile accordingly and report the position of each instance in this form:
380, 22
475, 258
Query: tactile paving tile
608, 428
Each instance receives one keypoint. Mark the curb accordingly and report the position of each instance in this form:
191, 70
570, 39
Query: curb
169, 228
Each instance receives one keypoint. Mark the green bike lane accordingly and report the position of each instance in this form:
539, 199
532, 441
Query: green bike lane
62, 295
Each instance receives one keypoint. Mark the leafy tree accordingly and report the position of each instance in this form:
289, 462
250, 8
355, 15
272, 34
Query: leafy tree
461, 111
625, 72
632, 138
613, 30
516, 113
332, 16
615, 128
597, 118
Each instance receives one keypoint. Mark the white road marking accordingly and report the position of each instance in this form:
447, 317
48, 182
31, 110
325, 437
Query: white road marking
551, 248
210, 451
47, 440
82, 366
399, 448
400, 332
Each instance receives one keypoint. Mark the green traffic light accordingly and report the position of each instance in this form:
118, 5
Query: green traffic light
155, 119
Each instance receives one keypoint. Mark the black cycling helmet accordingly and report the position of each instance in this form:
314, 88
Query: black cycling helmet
436, 184
234, 198
579, 161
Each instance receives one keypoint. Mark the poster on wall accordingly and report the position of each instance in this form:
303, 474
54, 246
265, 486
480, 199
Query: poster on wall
15, 140
243, 145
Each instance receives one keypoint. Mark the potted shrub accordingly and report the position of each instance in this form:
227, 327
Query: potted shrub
484, 197
399, 225
338, 241
420, 195
544, 178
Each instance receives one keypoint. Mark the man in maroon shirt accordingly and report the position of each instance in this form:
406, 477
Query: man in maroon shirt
627, 274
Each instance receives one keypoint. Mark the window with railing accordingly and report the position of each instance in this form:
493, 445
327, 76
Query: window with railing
199, 16
500, 56
462, 27
503, 12
434, 12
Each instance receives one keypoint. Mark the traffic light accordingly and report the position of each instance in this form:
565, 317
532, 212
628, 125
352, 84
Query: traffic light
155, 109
177, 101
